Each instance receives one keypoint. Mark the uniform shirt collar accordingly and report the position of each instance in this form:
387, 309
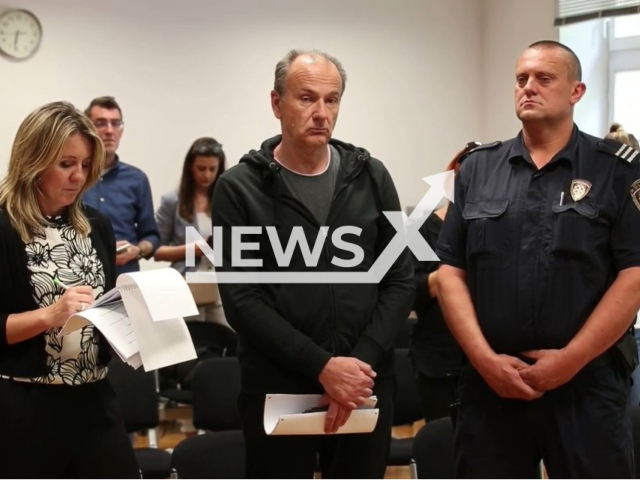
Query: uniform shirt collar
569, 152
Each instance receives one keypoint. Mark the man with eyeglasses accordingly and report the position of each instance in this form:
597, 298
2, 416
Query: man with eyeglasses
123, 192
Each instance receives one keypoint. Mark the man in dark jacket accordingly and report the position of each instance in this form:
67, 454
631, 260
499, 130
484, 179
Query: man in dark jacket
334, 338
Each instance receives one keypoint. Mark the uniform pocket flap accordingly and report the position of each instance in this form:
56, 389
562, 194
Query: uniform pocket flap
586, 209
485, 209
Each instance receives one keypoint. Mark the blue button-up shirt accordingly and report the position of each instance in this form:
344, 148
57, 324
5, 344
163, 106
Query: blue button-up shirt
124, 195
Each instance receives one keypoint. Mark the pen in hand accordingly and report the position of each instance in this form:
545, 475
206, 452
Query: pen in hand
58, 283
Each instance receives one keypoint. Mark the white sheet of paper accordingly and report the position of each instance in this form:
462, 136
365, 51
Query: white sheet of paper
165, 291
142, 318
80, 319
160, 343
112, 321
283, 416
135, 361
111, 296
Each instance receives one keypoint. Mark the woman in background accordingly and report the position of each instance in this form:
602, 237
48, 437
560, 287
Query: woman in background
437, 358
616, 132
58, 413
190, 206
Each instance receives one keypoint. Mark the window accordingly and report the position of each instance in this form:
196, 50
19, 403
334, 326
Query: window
609, 49
626, 26
626, 100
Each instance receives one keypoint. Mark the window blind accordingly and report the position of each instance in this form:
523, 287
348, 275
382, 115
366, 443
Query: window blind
573, 11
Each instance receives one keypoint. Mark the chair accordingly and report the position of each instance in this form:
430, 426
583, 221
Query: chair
208, 339
406, 407
433, 449
216, 386
209, 333
138, 401
212, 455
219, 453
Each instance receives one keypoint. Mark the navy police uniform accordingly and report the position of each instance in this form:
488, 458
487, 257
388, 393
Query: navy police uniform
540, 248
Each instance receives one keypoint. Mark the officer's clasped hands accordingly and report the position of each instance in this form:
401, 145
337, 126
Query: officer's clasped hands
552, 369
502, 373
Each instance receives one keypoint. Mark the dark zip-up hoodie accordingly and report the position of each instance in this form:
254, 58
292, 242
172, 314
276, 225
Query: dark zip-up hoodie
288, 332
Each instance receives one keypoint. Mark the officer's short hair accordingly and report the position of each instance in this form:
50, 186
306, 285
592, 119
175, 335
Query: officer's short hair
575, 68
284, 65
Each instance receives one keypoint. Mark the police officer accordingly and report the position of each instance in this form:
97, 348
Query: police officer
540, 283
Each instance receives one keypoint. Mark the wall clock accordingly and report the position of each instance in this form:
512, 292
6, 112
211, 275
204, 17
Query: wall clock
20, 33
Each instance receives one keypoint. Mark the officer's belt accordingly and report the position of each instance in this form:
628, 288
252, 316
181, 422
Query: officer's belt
604, 360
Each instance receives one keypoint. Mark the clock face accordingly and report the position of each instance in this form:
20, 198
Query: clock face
20, 33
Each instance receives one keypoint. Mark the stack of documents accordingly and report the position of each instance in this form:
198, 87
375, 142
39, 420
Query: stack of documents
142, 318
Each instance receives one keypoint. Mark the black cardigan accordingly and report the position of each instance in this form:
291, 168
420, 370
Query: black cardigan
28, 358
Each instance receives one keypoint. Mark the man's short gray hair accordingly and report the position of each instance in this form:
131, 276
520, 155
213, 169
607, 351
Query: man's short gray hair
283, 66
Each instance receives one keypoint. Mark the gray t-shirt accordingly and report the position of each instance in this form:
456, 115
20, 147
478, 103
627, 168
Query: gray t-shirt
315, 191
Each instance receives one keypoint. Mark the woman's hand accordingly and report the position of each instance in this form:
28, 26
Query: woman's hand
198, 253
74, 300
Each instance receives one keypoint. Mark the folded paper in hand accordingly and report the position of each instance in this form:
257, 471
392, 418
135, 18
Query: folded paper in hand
142, 318
283, 415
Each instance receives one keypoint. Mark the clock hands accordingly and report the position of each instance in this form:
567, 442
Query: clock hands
15, 41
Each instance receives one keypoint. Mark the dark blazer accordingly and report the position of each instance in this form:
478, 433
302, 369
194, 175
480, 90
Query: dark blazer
28, 358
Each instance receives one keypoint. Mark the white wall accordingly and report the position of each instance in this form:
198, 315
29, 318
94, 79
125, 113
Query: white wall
182, 69
508, 26
589, 42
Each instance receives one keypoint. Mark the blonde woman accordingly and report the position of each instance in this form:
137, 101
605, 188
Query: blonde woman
617, 132
58, 411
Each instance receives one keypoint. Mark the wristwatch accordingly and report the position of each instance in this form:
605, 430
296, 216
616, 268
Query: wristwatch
140, 254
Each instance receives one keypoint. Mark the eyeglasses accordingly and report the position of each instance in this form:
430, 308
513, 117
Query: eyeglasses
115, 124
208, 150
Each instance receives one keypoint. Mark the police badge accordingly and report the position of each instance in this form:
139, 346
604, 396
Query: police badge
635, 193
579, 189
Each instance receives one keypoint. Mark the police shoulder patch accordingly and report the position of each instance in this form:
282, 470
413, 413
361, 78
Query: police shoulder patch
618, 149
635, 193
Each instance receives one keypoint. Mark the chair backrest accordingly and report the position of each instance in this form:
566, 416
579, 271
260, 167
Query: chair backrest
433, 449
215, 387
205, 334
136, 394
406, 407
212, 455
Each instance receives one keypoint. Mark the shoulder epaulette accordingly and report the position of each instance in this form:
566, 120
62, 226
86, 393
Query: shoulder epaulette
484, 146
618, 149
